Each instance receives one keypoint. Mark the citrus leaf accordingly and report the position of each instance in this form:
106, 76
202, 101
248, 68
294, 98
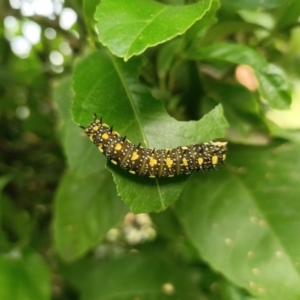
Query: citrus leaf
147, 276
255, 4
85, 209
128, 28
273, 84
245, 222
81, 159
3, 182
24, 276
86, 203
114, 92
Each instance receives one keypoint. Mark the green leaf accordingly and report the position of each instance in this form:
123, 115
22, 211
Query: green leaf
225, 28
86, 204
229, 291
140, 276
166, 58
128, 28
82, 159
85, 209
255, 4
89, 8
288, 15
274, 86
245, 118
3, 182
24, 276
16, 221
115, 94
245, 222
194, 36
273, 83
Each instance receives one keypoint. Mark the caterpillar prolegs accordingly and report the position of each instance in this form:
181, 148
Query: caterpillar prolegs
151, 162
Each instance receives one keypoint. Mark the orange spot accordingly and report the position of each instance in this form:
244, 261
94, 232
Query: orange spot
118, 147
169, 162
134, 156
152, 162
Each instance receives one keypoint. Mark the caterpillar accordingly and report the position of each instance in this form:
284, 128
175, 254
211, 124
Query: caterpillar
151, 162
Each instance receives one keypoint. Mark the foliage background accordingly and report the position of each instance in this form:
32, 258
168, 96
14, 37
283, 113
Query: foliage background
165, 74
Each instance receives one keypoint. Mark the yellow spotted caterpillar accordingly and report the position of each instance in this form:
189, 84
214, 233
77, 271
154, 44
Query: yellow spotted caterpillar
151, 162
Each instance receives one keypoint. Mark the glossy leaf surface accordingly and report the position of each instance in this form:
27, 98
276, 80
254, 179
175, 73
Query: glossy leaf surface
128, 28
245, 223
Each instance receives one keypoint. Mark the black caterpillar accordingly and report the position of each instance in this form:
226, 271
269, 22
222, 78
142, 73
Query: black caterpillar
151, 162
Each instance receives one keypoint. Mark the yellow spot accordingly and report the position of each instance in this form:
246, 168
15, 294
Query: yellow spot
104, 125
224, 156
118, 147
169, 162
152, 162
185, 161
184, 148
131, 171
100, 145
168, 288
214, 159
95, 128
86, 130
134, 156
91, 137
200, 161
151, 176
105, 136
114, 162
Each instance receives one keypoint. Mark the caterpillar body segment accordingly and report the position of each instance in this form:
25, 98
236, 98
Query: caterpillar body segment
155, 163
